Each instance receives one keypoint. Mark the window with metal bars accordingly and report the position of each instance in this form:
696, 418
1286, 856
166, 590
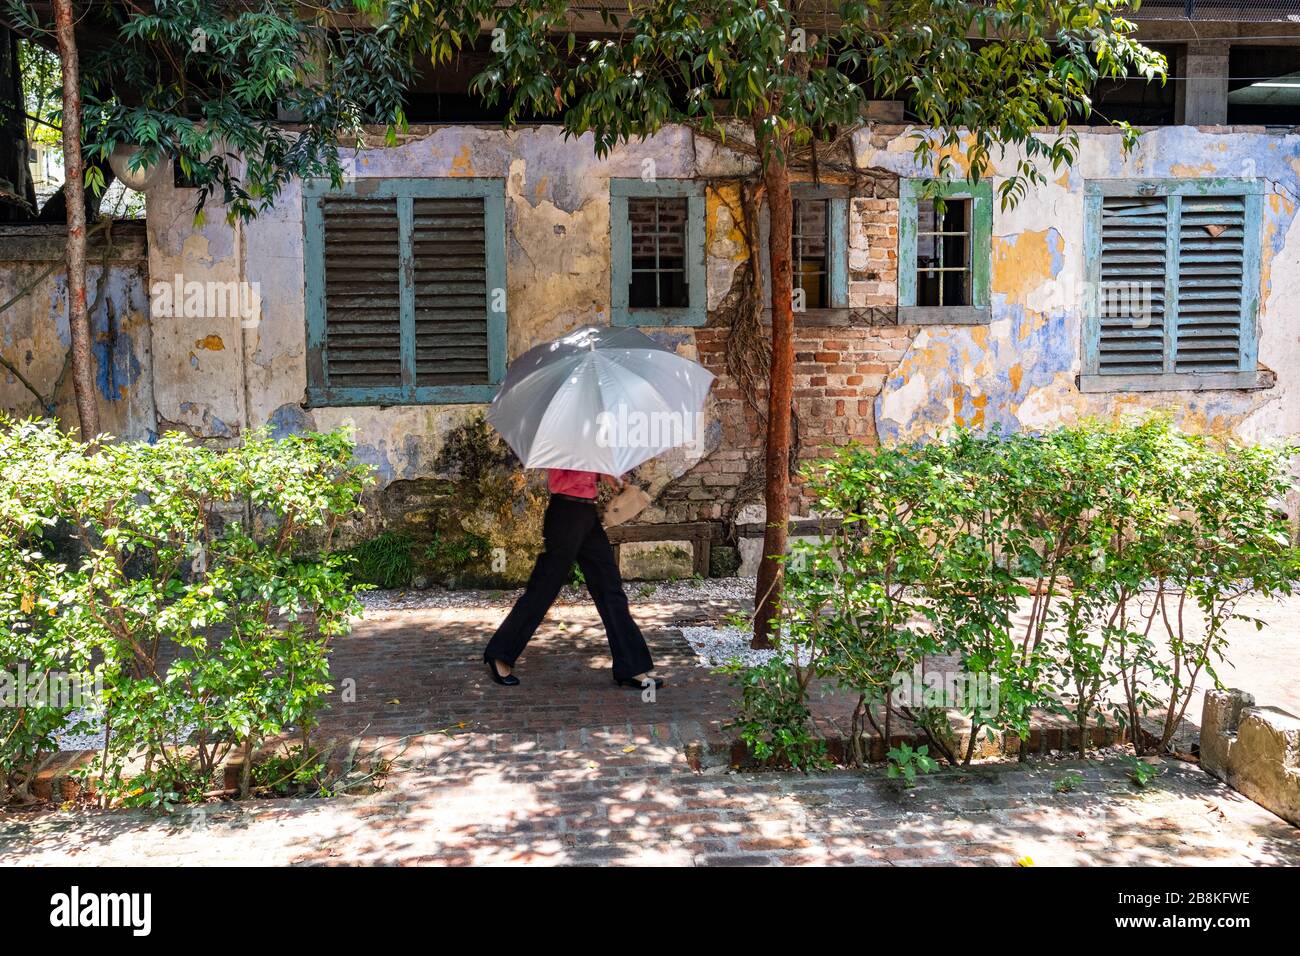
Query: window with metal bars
818, 250
657, 252
944, 259
405, 282
1173, 293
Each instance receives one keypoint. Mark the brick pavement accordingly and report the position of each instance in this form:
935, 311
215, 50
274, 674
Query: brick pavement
486, 802
569, 769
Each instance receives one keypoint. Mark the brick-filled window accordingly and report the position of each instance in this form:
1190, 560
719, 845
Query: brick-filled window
657, 274
944, 252
658, 227
405, 291
810, 251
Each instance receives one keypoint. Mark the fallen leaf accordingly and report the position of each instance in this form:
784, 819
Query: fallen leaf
395, 701
628, 750
1025, 861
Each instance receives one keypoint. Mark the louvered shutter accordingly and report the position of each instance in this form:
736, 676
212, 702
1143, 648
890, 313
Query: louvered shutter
1131, 312
451, 295
1211, 280
363, 338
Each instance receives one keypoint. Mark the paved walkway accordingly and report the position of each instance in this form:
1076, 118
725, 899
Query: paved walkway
483, 803
568, 768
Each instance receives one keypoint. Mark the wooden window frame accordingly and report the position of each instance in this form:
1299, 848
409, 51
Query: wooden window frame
405, 191
1248, 376
979, 312
837, 251
620, 252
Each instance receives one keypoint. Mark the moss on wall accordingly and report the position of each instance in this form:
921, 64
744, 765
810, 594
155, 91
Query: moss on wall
479, 522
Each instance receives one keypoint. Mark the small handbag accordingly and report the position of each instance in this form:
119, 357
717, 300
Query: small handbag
625, 505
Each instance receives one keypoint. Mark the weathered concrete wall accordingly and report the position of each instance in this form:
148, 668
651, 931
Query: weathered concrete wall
1020, 370
34, 331
864, 378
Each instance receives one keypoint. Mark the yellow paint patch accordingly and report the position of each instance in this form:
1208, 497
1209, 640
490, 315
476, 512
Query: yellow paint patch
463, 164
959, 157
1021, 263
726, 196
212, 343
1192, 170
978, 403
1016, 373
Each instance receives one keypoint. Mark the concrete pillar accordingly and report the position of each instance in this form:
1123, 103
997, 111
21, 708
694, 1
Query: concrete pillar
1202, 93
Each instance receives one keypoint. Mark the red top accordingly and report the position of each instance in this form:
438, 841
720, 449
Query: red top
580, 484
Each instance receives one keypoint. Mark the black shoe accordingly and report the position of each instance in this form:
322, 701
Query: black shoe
505, 680
636, 684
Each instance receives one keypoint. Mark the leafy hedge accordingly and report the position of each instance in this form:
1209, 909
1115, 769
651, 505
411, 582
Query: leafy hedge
192, 588
1089, 571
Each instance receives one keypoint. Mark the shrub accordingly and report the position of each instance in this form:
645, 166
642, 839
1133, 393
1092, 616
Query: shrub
773, 715
1089, 571
204, 592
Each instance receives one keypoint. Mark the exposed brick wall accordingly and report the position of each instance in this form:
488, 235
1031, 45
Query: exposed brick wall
841, 362
838, 372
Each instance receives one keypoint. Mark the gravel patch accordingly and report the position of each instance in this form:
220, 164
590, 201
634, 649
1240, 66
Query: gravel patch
716, 646
90, 737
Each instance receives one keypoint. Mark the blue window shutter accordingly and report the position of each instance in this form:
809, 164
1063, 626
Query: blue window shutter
907, 224
837, 252
1133, 284
1187, 250
1212, 296
406, 230
405, 290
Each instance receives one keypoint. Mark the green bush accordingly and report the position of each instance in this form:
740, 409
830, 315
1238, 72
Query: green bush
1089, 571
202, 596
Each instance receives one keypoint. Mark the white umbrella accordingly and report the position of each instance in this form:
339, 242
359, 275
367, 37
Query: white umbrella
599, 399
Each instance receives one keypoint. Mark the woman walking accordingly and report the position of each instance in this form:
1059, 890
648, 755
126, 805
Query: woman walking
571, 531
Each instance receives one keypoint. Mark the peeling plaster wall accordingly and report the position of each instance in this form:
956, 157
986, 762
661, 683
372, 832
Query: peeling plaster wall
1020, 370
34, 331
558, 275
867, 380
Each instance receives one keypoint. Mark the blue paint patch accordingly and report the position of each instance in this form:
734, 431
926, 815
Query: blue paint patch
1056, 249
413, 448
291, 419
376, 458
116, 366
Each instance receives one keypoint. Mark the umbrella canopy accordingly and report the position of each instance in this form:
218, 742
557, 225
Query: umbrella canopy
599, 399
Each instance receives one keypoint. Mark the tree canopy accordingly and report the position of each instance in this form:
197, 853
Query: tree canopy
977, 76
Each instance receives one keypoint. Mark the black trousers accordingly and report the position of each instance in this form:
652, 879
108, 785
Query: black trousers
571, 531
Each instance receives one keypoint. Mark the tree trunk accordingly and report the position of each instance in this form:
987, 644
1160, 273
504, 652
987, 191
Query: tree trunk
780, 392
83, 379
